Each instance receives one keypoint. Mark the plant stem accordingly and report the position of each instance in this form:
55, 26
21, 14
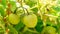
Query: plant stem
12, 29
25, 29
22, 6
58, 25
39, 8
21, 3
32, 31
27, 11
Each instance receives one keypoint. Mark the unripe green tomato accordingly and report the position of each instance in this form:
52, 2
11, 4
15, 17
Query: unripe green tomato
30, 20
14, 19
49, 30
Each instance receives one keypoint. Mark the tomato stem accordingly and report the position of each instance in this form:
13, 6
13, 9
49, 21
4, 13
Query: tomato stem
25, 29
15, 10
27, 11
22, 6
32, 31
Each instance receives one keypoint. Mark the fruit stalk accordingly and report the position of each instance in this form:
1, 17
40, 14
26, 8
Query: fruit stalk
58, 25
27, 11
22, 5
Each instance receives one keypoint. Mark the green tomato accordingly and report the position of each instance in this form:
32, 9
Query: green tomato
14, 19
30, 20
49, 30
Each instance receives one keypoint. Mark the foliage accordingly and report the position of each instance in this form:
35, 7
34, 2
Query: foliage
29, 16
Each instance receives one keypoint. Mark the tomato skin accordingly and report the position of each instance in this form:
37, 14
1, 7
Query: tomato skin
30, 20
49, 30
14, 19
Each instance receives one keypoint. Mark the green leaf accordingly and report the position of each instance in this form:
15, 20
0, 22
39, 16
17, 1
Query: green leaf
39, 26
12, 30
28, 32
31, 3
13, 5
58, 1
49, 23
2, 27
3, 3
35, 10
19, 26
58, 24
57, 9
2, 10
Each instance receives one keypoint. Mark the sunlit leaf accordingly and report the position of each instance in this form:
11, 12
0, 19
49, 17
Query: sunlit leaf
3, 3
13, 5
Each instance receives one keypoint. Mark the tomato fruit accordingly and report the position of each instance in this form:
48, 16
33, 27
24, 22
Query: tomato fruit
30, 20
14, 19
49, 30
